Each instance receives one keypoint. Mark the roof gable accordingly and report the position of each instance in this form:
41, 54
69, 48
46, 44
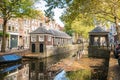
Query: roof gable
98, 29
57, 33
41, 30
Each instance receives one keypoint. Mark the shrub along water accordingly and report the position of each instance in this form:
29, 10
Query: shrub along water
79, 75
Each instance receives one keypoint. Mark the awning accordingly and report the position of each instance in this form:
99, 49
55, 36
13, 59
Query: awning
10, 68
9, 58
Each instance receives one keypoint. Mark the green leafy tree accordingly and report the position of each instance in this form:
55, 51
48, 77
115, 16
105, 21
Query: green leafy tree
52, 4
74, 21
78, 25
15, 8
100, 10
68, 29
104, 10
80, 29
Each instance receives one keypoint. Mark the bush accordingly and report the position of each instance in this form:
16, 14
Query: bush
79, 75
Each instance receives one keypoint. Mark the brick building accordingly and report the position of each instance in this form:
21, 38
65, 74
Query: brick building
44, 42
19, 29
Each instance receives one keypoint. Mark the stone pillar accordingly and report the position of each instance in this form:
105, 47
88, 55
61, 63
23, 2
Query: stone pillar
99, 41
45, 43
91, 38
107, 41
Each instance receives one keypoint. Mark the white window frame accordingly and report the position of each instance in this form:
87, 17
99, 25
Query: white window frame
33, 38
41, 38
49, 38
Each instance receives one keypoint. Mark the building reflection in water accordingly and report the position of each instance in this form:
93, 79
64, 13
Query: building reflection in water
39, 68
29, 69
15, 72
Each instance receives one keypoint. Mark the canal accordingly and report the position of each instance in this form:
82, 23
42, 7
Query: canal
31, 69
38, 69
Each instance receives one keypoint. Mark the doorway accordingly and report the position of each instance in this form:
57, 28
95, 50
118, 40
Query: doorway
41, 48
14, 41
33, 47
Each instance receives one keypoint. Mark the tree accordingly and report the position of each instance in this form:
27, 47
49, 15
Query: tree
79, 26
101, 10
74, 22
52, 4
81, 29
106, 11
12, 9
68, 30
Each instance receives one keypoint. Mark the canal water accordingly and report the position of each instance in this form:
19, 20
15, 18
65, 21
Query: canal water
39, 68
30, 69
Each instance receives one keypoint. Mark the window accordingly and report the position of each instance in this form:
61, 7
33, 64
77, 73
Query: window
13, 28
49, 38
41, 38
27, 31
33, 39
16, 29
9, 28
33, 21
25, 21
41, 24
24, 32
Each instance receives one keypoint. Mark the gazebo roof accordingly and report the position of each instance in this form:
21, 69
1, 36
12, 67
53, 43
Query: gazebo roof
98, 31
41, 30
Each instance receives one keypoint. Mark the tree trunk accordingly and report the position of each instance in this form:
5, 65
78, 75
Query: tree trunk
3, 47
117, 28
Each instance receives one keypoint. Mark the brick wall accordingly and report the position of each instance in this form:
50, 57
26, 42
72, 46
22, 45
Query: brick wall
62, 49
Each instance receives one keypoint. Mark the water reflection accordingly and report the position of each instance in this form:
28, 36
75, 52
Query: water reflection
15, 72
38, 69
61, 76
30, 69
